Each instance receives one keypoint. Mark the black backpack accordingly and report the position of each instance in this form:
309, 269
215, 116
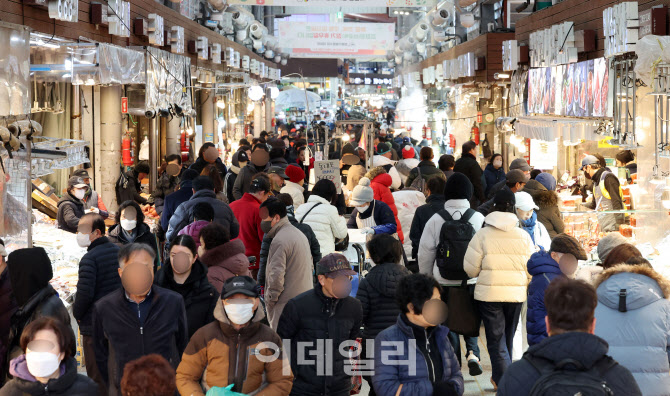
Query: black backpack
556, 380
455, 236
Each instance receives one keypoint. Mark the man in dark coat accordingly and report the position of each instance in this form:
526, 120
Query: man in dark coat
469, 166
129, 185
29, 274
518, 164
138, 319
325, 314
98, 276
239, 161
7, 308
71, 206
434, 203
571, 324
515, 181
259, 162
131, 216
203, 192
209, 155
172, 201
426, 168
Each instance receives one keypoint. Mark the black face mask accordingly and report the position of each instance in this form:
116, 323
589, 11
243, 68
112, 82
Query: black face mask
587, 175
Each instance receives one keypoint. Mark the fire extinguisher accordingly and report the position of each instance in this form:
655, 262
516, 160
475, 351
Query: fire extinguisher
474, 133
452, 141
126, 150
424, 132
184, 146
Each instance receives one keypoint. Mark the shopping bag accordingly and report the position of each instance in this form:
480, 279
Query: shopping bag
227, 391
463, 316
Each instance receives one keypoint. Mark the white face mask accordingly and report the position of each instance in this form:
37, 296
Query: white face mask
83, 240
79, 193
497, 163
362, 208
128, 225
42, 364
239, 313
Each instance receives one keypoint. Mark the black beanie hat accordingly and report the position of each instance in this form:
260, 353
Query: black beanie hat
349, 149
458, 187
504, 200
29, 272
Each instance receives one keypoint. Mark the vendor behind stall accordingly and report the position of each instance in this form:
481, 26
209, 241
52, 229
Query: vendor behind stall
71, 206
92, 199
371, 216
607, 194
129, 184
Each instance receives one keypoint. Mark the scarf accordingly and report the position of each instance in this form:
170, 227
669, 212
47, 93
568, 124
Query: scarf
529, 225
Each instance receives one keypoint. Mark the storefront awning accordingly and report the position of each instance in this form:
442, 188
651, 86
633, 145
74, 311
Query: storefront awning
551, 128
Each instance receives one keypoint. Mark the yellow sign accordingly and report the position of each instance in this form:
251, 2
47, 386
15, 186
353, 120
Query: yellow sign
604, 143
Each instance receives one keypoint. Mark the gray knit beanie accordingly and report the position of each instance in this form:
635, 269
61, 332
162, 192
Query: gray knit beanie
362, 193
609, 242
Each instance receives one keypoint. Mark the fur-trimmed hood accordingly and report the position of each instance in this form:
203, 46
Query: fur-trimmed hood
374, 172
643, 286
541, 196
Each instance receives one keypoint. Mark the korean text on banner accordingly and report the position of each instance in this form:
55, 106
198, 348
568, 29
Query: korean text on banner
339, 3
336, 40
328, 170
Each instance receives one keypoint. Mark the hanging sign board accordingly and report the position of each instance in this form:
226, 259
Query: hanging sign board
328, 170
577, 89
124, 105
336, 40
543, 155
338, 3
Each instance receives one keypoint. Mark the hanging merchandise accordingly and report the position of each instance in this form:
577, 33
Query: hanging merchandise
126, 149
474, 133
486, 147
144, 150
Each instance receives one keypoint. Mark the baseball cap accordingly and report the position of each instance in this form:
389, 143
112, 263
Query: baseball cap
383, 148
333, 265
76, 182
83, 173
524, 201
516, 176
277, 170
242, 156
239, 285
521, 164
589, 160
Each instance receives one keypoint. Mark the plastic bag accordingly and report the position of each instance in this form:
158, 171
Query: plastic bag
227, 391
144, 150
650, 50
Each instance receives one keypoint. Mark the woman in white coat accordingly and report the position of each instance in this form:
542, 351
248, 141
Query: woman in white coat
320, 214
497, 256
525, 210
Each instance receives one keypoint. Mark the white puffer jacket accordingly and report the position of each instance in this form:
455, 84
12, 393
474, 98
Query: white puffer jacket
325, 221
295, 190
497, 255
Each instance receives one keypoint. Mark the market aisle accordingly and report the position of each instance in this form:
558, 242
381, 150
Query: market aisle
474, 386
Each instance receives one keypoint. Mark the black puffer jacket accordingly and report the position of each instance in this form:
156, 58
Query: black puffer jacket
428, 171
128, 188
314, 246
199, 295
144, 235
469, 166
183, 216
201, 164
98, 276
434, 203
376, 293
70, 210
312, 316
68, 384
547, 201
7, 308
244, 177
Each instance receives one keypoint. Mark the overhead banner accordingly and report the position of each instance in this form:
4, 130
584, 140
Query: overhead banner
577, 89
339, 3
336, 40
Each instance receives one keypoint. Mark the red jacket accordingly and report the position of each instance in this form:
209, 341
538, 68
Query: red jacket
246, 210
380, 185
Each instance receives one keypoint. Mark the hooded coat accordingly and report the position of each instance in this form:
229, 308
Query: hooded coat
68, 384
434, 203
543, 269
244, 177
172, 201
193, 230
184, 214
247, 212
469, 166
547, 201
199, 295
389, 166
325, 221
210, 356
225, 261
639, 338
377, 292
585, 348
380, 182
70, 210
497, 255
229, 180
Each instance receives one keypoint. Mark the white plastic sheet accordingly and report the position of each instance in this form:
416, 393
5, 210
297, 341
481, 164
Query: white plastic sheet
168, 76
548, 128
14, 70
650, 51
107, 64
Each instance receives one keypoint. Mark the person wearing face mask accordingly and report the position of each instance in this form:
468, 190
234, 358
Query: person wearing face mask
131, 228
370, 215
92, 199
98, 276
327, 313
289, 266
607, 194
258, 162
185, 274
226, 352
437, 371
525, 210
71, 206
137, 319
518, 164
29, 274
47, 365
515, 181
494, 172
544, 266
543, 191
